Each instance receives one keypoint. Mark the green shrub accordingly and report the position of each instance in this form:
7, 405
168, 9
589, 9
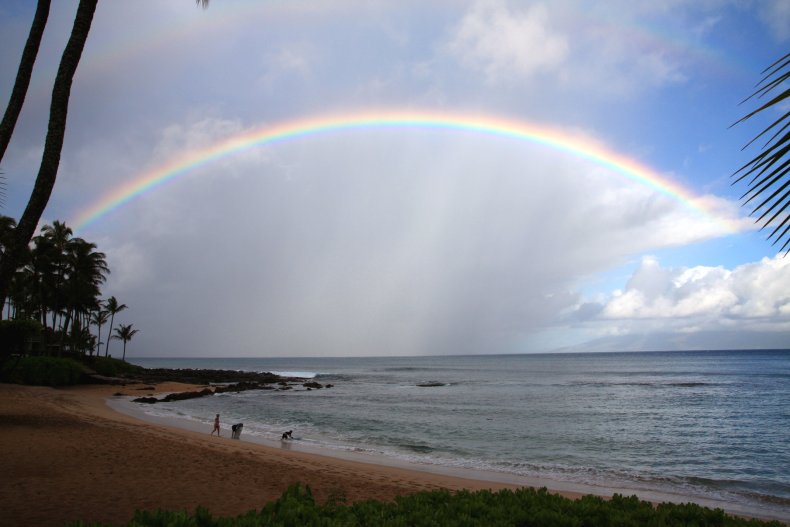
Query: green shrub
112, 367
15, 336
522, 507
43, 371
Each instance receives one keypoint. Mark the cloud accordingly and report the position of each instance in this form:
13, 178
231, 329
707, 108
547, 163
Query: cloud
375, 241
776, 15
681, 303
503, 43
598, 50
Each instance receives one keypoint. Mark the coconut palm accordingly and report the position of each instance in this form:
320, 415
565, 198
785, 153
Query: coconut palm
124, 333
87, 269
770, 170
53, 247
53, 145
113, 307
99, 318
7, 226
23, 75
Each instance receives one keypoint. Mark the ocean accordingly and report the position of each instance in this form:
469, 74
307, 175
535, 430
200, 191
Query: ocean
710, 427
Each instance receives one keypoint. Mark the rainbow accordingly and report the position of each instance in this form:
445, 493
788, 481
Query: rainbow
188, 162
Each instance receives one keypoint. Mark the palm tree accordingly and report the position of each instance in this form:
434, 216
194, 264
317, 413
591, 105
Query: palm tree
53, 247
99, 318
23, 75
7, 226
125, 333
770, 170
87, 270
53, 145
113, 307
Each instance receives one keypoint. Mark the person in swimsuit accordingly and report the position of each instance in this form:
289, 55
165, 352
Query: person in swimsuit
216, 426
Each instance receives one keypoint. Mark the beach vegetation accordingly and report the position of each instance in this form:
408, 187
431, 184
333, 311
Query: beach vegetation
43, 371
523, 507
58, 287
113, 307
18, 337
111, 367
124, 333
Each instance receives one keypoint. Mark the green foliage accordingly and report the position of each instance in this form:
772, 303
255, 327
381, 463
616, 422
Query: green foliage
767, 175
45, 371
112, 367
522, 507
15, 336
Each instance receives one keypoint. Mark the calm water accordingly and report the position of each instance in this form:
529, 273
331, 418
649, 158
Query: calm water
708, 425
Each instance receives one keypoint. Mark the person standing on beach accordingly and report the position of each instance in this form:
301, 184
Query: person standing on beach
216, 426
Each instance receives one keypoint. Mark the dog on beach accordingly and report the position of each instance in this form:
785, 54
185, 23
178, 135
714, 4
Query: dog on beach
287, 435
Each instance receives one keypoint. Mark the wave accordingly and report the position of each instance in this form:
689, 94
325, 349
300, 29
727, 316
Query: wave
403, 368
422, 449
300, 374
645, 384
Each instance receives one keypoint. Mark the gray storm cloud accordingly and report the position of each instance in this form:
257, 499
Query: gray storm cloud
379, 241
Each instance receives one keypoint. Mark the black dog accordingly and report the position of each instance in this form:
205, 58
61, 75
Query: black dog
287, 435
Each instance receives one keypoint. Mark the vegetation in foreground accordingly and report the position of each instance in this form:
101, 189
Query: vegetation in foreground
523, 507
52, 371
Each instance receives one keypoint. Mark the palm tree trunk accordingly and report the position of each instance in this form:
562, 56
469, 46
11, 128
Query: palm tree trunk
23, 74
107, 346
98, 340
124, 351
53, 145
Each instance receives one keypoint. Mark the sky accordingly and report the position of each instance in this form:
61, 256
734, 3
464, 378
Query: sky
491, 176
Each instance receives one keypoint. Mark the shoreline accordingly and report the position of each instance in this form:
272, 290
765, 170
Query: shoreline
484, 477
481, 478
70, 454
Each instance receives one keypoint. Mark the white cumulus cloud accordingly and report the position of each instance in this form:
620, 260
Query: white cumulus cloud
705, 295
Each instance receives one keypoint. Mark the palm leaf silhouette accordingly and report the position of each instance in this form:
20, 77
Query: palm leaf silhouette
768, 173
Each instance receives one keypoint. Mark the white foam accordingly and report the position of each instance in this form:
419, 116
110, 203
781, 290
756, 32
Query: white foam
300, 374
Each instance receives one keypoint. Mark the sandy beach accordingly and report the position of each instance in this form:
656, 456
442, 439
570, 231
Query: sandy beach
68, 456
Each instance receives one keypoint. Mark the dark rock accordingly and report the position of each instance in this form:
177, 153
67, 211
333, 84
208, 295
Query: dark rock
181, 396
430, 384
205, 377
224, 381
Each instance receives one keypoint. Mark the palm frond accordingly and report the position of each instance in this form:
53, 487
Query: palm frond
768, 173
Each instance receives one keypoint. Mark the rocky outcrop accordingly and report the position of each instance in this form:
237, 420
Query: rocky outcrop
200, 376
226, 381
